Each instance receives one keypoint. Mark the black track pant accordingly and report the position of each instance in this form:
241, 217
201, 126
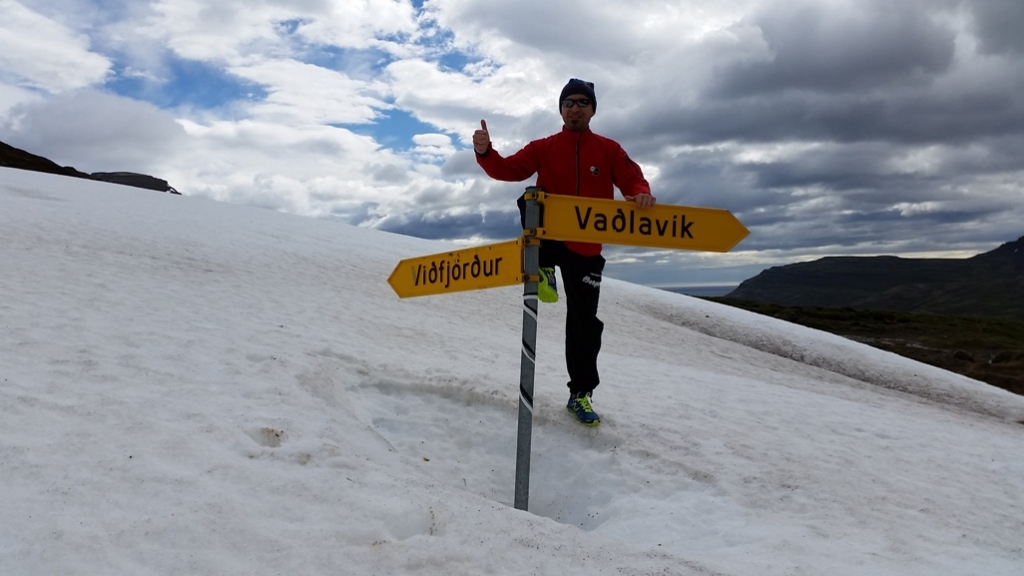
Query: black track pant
581, 288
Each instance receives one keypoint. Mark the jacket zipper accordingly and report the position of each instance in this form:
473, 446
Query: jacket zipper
577, 166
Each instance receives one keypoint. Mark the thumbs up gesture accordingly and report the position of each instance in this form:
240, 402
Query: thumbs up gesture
482, 139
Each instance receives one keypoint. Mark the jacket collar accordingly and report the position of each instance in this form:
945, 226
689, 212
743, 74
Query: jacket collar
579, 135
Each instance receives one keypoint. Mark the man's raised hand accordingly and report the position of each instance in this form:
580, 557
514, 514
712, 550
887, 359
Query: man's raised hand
482, 138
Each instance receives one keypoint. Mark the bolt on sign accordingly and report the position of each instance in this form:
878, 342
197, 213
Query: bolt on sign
578, 219
475, 268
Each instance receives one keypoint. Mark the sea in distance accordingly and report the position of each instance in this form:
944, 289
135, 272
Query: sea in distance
701, 291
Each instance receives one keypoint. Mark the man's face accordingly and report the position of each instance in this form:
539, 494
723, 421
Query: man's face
577, 117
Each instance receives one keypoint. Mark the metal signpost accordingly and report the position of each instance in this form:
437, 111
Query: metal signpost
528, 362
567, 218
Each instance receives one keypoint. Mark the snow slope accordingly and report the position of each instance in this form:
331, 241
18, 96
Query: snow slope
189, 387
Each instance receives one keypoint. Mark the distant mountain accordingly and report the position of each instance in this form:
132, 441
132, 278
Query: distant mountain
12, 157
989, 284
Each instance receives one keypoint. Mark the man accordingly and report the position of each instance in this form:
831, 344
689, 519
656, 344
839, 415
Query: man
578, 162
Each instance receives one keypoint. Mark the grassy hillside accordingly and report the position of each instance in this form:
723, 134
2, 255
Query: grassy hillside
989, 284
987, 349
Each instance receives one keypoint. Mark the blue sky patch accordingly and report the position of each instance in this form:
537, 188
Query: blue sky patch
188, 83
456, 61
393, 130
364, 64
289, 27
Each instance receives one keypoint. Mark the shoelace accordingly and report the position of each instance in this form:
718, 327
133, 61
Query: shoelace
585, 403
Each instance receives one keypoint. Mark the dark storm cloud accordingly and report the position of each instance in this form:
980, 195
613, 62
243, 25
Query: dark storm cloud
914, 231
999, 25
840, 195
864, 124
874, 166
821, 48
914, 117
838, 168
870, 71
551, 28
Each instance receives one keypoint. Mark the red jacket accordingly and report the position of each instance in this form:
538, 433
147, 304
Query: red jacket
572, 163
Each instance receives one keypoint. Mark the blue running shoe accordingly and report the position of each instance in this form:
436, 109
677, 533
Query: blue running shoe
579, 404
547, 289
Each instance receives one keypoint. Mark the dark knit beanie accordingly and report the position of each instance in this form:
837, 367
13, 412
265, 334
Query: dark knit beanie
581, 87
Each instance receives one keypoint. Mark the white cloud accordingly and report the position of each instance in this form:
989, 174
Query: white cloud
221, 32
434, 149
457, 102
39, 53
384, 24
437, 140
11, 96
309, 170
580, 37
300, 93
94, 131
232, 31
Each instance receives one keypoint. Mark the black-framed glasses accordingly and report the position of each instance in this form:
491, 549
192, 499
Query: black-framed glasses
570, 102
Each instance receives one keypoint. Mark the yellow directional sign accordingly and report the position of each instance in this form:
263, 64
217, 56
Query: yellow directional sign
468, 269
578, 219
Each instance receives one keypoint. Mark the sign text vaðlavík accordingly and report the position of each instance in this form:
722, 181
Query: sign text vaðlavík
578, 219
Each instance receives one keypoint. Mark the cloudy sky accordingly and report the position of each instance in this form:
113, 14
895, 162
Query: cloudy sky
828, 127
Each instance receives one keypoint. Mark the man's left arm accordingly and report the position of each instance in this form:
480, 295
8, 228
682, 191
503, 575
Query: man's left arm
629, 179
